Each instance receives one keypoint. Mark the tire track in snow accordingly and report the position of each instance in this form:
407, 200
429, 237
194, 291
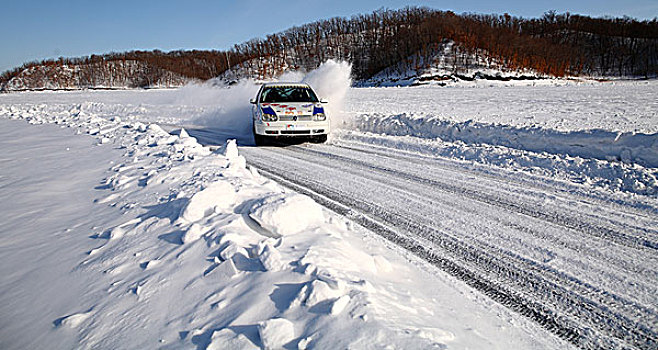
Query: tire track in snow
517, 225
550, 186
567, 221
579, 312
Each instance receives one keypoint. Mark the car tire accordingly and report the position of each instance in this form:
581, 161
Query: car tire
319, 138
259, 140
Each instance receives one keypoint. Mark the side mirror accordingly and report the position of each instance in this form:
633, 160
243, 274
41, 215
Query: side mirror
252, 101
323, 100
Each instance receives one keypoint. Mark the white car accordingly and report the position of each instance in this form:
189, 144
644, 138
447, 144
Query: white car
288, 110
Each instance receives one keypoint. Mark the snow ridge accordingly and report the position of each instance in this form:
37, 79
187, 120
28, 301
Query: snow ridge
615, 160
601, 144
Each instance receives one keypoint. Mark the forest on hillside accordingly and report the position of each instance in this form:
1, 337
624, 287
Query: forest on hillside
555, 44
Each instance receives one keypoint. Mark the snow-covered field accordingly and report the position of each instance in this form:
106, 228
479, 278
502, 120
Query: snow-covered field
622, 106
129, 236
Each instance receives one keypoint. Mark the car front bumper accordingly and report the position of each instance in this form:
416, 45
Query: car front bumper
291, 128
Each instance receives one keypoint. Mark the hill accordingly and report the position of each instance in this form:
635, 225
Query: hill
402, 40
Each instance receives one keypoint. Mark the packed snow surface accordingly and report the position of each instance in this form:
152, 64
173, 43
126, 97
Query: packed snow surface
151, 230
622, 106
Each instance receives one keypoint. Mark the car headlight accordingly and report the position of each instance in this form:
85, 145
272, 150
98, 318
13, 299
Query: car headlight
269, 117
268, 114
318, 113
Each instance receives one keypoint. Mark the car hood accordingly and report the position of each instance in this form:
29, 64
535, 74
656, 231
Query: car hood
293, 108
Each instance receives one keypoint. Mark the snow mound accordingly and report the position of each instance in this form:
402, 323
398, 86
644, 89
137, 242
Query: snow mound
193, 233
607, 174
217, 196
230, 151
287, 213
600, 144
322, 291
276, 332
230, 248
271, 258
75, 320
340, 304
156, 130
227, 339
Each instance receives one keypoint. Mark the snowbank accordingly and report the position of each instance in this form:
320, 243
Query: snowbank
611, 176
600, 144
286, 215
605, 135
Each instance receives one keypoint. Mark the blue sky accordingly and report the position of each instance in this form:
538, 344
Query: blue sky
35, 30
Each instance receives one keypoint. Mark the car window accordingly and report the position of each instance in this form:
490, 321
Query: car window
288, 94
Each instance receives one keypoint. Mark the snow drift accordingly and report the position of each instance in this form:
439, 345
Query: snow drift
629, 147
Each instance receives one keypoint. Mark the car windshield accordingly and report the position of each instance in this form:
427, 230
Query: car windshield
288, 94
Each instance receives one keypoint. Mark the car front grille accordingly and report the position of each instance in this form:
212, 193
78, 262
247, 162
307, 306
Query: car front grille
300, 118
295, 132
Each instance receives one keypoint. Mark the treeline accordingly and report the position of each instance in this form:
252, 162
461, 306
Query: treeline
97, 74
602, 46
555, 44
134, 69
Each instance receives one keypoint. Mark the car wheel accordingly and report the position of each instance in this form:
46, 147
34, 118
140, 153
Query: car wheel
320, 138
259, 140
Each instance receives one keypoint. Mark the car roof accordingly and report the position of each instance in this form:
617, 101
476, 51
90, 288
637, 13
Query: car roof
285, 84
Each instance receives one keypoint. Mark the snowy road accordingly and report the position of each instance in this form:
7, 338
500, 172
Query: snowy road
581, 266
